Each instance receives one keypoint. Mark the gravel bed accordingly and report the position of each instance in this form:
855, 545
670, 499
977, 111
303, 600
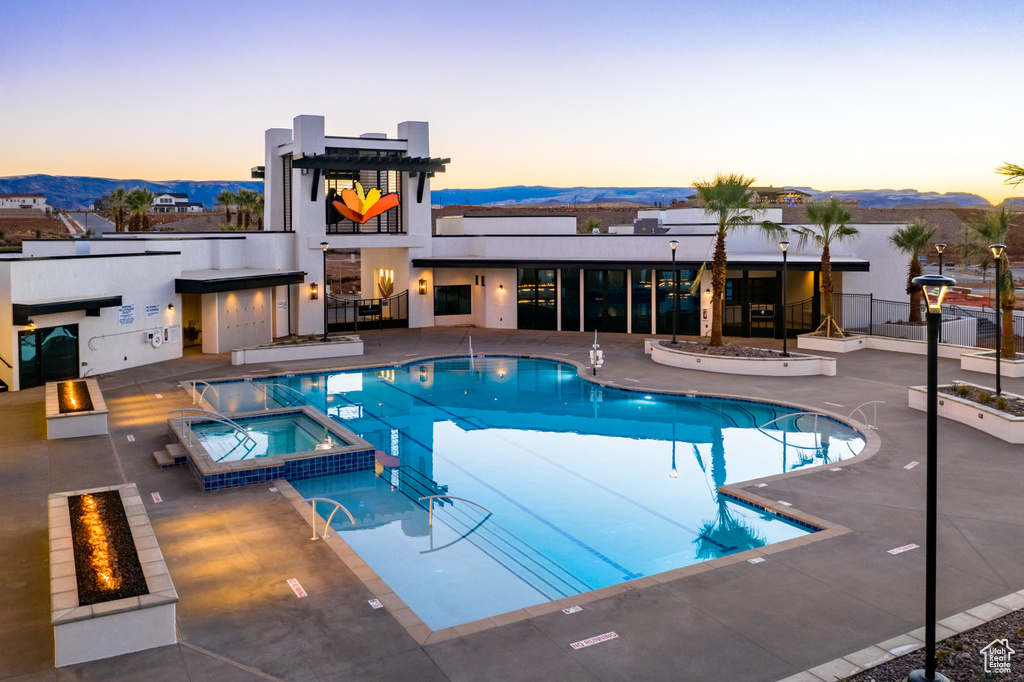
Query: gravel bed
959, 657
728, 350
1014, 406
114, 537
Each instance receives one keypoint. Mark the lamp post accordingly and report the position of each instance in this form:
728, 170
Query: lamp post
935, 288
784, 245
997, 253
323, 247
675, 286
940, 248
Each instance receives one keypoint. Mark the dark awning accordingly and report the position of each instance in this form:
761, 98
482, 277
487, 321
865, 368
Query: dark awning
606, 264
23, 311
259, 172
214, 283
354, 162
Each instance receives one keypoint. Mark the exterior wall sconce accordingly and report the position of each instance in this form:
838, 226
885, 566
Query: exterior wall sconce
170, 307
423, 287
501, 287
314, 291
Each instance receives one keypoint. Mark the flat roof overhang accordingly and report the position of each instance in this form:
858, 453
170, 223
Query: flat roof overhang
770, 264
216, 283
354, 162
91, 305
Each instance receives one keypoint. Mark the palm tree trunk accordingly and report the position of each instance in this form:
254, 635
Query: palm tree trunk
227, 213
718, 265
1009, 342
827, 289
915, 291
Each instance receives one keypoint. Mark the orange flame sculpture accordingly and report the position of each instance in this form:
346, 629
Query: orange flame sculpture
103, 561
360, 207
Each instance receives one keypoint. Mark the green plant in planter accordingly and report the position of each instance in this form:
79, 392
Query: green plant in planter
963, 391
1002, 403
984, 397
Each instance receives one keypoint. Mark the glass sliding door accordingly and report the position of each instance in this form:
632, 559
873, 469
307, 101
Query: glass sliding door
570, 300
641, 301
535, 295
604, 300
689, 306
49, 354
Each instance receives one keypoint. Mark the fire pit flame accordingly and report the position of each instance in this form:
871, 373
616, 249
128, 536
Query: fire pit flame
103, 558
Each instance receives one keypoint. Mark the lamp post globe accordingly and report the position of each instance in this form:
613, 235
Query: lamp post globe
934, 288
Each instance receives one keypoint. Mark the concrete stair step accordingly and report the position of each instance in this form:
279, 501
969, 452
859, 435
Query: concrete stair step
172, 456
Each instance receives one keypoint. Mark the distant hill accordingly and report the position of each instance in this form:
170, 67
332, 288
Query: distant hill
81, 192
70, 192
652, 196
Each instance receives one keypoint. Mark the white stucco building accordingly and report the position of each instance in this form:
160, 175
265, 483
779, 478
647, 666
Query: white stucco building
175, 202
35, 202
87, 306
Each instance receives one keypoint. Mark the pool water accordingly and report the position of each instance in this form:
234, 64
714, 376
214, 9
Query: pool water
271, 436
580, 486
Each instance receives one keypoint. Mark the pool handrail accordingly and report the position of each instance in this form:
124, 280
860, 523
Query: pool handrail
791, 414
448, 497
263, 386
210, 416
874, 420
203, 392
327, 527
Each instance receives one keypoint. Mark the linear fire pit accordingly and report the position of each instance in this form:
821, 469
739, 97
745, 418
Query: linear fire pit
75, 408
110, 592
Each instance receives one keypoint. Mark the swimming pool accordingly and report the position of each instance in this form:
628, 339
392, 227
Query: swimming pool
581, 486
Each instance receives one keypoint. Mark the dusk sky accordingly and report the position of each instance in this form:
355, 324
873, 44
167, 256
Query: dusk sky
860, 94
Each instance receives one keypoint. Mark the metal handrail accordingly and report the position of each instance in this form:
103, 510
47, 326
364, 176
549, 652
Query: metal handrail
791, 414
447, 497
337, 505
263, 385
868, 424
203, 392
6, 363
211, 416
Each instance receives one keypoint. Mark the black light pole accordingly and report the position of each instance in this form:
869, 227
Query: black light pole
997, 253
784, 245
323, 247
940, 248
935, 289
675, 281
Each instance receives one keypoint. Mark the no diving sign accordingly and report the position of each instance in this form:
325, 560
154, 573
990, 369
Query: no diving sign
296, 587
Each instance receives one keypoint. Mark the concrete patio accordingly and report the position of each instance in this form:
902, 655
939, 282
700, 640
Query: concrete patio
231, 552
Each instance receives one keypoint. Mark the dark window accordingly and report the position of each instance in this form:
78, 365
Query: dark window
286, 184
604, 300
688, 305
535, 299
49, 354
453, 300
571, 300
641, 301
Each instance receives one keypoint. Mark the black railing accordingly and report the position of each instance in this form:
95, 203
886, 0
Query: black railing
351, 315
961, 326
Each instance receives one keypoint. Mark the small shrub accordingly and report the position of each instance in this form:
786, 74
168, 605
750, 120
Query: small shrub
942, 654
1002, 403
962, 390
984, 397
958, 646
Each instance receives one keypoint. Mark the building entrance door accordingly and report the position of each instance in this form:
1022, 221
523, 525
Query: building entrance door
49, 354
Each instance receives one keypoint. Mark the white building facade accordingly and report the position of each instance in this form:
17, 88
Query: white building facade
87, 306
32, 202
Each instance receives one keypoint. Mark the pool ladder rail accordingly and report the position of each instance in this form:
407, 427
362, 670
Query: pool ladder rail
264, 386
327, 527
185, 420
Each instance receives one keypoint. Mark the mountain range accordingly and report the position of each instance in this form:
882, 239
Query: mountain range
76, 192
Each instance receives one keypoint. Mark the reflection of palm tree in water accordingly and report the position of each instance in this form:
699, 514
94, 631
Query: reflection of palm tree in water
725, 533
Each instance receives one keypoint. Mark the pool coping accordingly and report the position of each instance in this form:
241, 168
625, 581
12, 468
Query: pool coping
424, 635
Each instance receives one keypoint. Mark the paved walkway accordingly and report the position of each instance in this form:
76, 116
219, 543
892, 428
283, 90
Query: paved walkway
230, 552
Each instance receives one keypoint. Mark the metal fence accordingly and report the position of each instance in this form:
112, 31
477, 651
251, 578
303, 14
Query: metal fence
961, 326
351, 315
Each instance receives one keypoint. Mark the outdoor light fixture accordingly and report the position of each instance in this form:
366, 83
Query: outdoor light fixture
501, 287
170, 307
675, 288
935, 288
997, 253
323, 247
423, 287
314, 291
784, 245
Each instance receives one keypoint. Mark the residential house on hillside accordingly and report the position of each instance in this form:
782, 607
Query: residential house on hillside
175, 202
35, 202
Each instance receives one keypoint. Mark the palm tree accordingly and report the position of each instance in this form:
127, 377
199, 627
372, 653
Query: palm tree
1014, 173
259, 206
730, 199
246, 202
912, 239
138, 202
994, 228
116, 210
226, 198
830, 220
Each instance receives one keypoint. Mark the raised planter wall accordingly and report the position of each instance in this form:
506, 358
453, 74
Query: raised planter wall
73, 424
964, 329
111, 628
988, 419
985, 362
336, 348
795, 365
854, 342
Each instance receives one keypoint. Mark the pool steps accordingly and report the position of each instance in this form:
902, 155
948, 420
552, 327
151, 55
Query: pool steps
171, 456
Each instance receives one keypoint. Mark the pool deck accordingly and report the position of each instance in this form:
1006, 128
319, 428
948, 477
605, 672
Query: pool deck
231, 552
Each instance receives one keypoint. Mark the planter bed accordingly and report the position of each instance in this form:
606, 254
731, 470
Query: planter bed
336, 347
796, 364
75, 408
985, 363
985, 418
110, 592
852, 342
